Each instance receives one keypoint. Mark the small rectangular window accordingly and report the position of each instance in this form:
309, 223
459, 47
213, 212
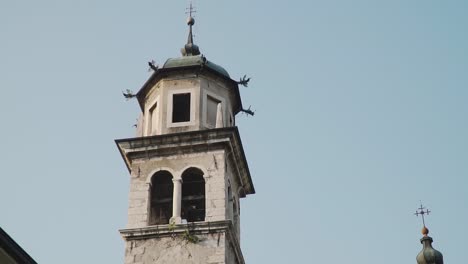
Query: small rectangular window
211, 111
181, 108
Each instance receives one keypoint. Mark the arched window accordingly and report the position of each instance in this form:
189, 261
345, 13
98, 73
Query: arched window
193, 195
161, 198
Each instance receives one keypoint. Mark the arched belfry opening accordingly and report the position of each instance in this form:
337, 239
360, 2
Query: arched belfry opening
161, 194
193, 195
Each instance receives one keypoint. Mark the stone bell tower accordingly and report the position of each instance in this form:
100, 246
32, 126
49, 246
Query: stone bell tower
187, 165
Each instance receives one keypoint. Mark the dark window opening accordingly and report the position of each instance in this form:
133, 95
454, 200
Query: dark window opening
161, 198
181, 108
193, 195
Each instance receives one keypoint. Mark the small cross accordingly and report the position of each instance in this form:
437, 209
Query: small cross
190, 10
421, 212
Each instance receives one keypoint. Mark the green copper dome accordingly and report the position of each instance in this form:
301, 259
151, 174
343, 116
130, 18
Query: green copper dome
198, 60
428, 254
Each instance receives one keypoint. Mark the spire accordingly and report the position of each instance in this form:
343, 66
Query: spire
428, 254
190, 49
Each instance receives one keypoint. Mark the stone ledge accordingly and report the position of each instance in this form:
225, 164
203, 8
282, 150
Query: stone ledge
197, 228
168, 230
200, 141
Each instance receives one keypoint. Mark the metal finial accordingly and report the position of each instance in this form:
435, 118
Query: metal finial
190, 11
422, 211
190, 49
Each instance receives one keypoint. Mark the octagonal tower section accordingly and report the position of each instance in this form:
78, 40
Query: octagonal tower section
188, 93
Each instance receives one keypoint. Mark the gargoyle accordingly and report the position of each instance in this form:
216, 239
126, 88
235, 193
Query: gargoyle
152, 66
248, 111
244, 81
128, 94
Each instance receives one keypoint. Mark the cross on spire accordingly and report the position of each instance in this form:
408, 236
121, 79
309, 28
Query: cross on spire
190, 10
422, 211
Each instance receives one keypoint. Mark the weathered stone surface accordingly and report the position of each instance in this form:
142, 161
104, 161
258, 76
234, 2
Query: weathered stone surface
157, 109
212, 243
168, 149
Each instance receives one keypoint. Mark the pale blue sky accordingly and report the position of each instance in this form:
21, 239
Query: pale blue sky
361, 112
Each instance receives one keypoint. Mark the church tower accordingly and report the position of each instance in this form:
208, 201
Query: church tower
187, 165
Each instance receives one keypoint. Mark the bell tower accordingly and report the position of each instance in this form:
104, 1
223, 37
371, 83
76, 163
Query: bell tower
187, 165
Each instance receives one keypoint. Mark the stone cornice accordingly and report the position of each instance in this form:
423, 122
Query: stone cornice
228, 139
196, 228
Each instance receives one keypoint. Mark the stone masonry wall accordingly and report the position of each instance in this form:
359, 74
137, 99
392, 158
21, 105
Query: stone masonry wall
211, 249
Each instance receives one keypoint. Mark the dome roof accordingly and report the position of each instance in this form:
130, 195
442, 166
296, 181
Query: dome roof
191, 61
198, 60
428, 254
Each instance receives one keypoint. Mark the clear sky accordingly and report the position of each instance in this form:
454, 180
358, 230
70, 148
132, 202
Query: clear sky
361, 112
